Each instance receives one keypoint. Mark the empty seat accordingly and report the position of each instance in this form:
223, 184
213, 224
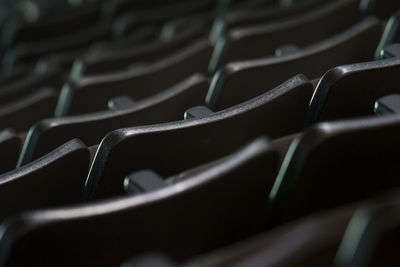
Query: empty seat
232, 84
184, 144
351, 90
55, 179
335, 163
126, 230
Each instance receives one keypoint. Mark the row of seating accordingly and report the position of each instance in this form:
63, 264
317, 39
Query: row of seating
199, 133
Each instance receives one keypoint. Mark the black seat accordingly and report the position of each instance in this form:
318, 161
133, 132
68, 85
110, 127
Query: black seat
157, 15
310, 244
243, 17
356, 44
390, 35
375, 243
29, 52
166, 106
137, 83
55, 24
56, 179
184, 144
335, 163
381, 9
29, 84
23, 113
351, 90
189, 219
119, 59
306, 29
